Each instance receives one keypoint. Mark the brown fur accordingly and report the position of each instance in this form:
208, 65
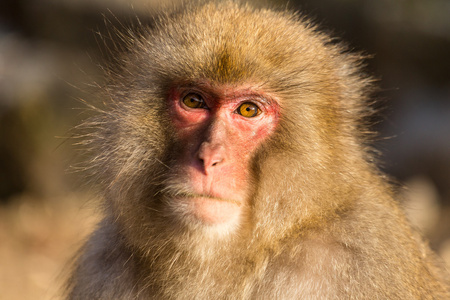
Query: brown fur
322, 222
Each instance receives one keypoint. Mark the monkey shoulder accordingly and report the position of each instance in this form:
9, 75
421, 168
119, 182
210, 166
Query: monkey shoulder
358, 250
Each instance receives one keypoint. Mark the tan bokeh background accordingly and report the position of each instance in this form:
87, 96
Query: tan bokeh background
49, 51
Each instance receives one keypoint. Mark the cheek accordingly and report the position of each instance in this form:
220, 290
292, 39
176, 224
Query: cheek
244, 140
247, 136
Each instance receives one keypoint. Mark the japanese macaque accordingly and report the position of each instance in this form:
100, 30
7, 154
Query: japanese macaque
233, 155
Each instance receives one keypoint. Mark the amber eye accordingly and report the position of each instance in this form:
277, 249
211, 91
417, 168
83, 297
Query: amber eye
193, 101
248, 110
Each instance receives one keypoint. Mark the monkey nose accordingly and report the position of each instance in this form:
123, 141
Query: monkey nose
210, 156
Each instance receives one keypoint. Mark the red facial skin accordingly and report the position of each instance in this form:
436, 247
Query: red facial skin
218, 143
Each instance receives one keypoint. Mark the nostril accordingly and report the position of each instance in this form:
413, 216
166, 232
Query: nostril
210, 164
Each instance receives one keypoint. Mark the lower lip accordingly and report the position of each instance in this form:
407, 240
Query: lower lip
213, 210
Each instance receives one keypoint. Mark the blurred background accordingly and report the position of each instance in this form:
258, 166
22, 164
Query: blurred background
49, 55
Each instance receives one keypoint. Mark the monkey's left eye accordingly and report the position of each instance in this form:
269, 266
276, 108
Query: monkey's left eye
192, 100
248, 110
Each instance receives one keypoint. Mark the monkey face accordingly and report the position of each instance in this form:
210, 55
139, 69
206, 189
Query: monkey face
218, 129
213, 125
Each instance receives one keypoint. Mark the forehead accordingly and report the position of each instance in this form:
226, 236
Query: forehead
229, 44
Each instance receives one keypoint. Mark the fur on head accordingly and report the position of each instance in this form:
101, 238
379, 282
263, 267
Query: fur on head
317, 82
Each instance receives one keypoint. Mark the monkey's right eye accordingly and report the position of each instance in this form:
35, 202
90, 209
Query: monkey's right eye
192, 100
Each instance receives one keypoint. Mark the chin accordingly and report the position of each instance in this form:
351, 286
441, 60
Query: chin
210, 217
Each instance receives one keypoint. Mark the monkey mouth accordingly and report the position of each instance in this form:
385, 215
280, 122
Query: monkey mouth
207, 197
213, 210
206, 208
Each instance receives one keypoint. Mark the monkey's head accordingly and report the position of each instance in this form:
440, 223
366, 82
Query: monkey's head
215, 119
